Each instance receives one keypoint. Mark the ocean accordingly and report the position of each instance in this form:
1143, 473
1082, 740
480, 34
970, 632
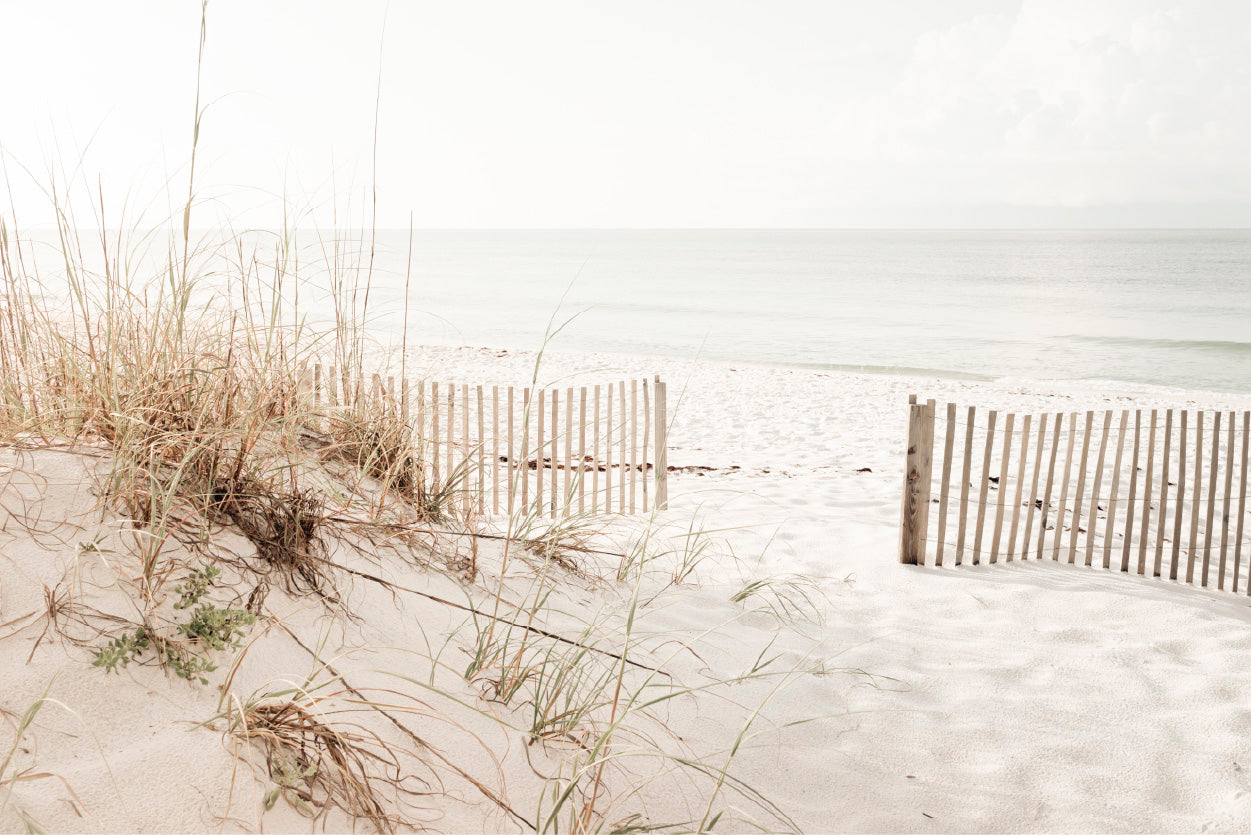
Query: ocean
1145, 308
1157, 308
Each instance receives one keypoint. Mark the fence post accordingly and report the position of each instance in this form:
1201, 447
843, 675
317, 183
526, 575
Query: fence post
916, 492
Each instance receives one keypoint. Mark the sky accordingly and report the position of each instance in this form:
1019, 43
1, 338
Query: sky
778, 113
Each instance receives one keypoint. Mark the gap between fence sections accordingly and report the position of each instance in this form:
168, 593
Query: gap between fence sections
1154, 492
547, 451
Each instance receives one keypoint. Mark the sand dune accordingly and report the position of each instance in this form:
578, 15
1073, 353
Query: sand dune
1018, 697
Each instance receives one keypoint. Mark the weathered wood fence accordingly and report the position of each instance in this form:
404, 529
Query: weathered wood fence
552, 451
1159, 492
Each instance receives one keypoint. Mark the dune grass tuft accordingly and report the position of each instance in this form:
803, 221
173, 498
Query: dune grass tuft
183, 364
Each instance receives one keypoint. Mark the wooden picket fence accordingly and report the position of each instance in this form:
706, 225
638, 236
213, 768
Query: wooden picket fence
552, 451
1165, 495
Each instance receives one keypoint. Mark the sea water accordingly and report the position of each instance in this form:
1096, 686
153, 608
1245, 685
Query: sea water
1149, 307
1166, 308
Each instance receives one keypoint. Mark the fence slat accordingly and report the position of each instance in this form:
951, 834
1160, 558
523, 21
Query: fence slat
662, 445
1020, 486
1213, 470
435, 438
480, 452
983, 489
511, 469
1051, 472
1006, 457
1162, 514
622, 464
422, 457
495, 449
539, 446
945, 486
927, 440
540, 443
1146, 496
651, 444
1110, 527
1092, 520
964, 485
465, 470
554, 451
1242, 501
1229, 486
451, 433
405, 395
608, 452
332, 388
634, 440
647, 438
523, 457
1131, 505
318, 385
1079, 491
595, 456
568, 462
1194, 502
582, 451
1033, 489
1064, 489
1181, 496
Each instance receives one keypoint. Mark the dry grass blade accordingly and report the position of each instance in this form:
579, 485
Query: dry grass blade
285, 528
63, 611
380, 446
10, 772
316, 766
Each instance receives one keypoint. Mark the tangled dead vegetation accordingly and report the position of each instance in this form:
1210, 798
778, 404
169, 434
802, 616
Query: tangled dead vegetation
285, 527
316, 766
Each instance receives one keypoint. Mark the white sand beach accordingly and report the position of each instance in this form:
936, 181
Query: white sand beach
250, 578
1020, 697
1015, 697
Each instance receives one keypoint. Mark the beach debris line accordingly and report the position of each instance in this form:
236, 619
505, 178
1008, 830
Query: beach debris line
586, 465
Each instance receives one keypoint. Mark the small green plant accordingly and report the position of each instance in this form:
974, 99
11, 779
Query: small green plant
122, 650
216, 628
93, 546
210, 628
291, 781
185, 664
196, 587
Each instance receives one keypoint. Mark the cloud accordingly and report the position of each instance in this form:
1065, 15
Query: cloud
1063, 103
709, 113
